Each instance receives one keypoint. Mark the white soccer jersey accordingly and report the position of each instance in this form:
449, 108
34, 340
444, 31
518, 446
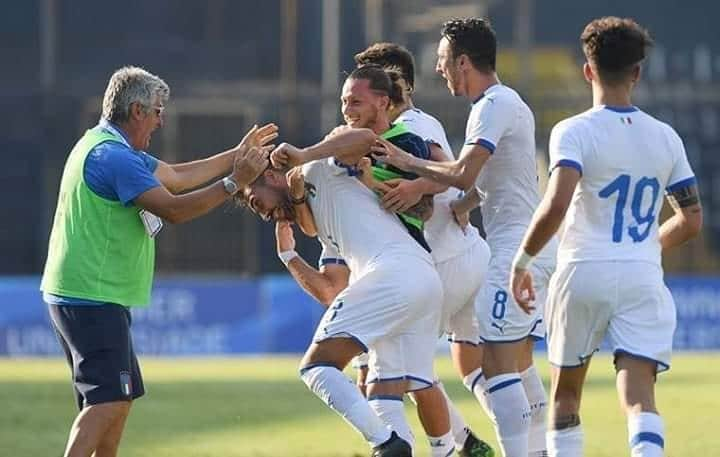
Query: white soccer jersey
443, 234
349, 218
502, 122
626, 158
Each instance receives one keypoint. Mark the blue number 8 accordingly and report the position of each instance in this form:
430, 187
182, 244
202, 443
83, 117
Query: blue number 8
498, 311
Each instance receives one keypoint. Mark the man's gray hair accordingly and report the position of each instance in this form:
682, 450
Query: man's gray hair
129, 85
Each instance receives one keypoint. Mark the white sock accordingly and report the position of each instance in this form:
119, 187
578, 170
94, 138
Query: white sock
442, 446
511, 411
340, 394
475, 383
567, 442
537, 398
390, 410
458, 426
646, 435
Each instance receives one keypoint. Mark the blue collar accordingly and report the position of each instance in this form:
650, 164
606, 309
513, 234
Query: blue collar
483, 94
621, 109
107, 125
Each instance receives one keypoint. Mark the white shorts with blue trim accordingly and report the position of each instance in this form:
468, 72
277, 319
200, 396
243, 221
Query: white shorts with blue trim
500, 318
627, 301
391, 309
462, 277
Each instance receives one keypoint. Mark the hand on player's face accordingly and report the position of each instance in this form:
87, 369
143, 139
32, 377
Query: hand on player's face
286, 156
522, 289
249, 166
284, 236
402, 195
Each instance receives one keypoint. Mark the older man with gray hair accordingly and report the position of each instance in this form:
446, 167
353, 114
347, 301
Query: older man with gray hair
112, 202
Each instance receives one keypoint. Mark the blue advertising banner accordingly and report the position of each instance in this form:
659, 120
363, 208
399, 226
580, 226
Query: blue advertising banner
204, 316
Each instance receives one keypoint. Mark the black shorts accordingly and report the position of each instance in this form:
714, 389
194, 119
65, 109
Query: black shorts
98, 346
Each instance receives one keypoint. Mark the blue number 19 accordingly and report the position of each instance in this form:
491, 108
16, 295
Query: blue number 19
621, 185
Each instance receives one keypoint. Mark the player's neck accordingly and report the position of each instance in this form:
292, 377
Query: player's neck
478, 83
380, 126
133, 134
611, 96
396, 111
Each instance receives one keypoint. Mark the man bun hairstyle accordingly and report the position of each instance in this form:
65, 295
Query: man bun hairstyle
475, 38
390, 55
380, 81
615, 46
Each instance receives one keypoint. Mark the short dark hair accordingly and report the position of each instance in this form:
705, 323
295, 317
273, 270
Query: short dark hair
615, 45
473, 37
390, 55
381, 80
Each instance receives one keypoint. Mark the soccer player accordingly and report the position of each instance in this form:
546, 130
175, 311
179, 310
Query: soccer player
608, 166
379, 310
499, 158
461, 258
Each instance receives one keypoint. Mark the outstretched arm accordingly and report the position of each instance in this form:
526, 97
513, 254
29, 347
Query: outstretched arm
460, 173
189, 175
348, 145
181, 208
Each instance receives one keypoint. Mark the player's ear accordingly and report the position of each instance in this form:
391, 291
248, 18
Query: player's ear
463, 61
588, 72
637, 70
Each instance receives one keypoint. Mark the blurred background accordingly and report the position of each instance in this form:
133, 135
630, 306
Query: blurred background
220, 287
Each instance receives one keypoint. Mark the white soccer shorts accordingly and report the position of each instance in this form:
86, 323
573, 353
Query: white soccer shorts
627, 301
391, 310
500, 318
462, 277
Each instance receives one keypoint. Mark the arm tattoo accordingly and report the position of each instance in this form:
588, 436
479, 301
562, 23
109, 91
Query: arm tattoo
684, 197
563, 422
423, 209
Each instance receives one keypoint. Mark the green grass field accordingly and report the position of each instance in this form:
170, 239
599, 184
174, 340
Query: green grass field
258, 407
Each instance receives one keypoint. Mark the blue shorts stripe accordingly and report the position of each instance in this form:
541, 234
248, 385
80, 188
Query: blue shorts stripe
503, 385
385, 397
309, 367
650, 437
660, 366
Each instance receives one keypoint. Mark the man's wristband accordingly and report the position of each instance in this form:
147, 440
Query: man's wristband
298, 201
287, 256
522, 260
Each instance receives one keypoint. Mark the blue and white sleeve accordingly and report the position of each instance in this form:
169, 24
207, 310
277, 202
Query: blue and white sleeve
565, 147
330, 255
489, 119
682, 174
